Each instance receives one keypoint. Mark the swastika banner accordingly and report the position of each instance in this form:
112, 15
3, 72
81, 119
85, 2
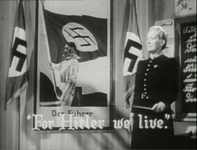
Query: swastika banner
88, 33
89, 63
132, 50
17, 74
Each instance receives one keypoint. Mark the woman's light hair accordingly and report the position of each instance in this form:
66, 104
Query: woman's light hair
162, 34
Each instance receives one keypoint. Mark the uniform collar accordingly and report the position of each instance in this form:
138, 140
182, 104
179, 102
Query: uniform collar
153, 56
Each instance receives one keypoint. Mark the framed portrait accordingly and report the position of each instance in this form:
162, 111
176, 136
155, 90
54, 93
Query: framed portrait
73, 72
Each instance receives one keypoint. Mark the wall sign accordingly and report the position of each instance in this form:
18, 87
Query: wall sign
73, 66
186, 48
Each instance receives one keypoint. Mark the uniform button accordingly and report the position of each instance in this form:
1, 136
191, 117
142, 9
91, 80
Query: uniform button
147, 69
155, 66
144, 84
144, 79
146, 97
144, 89
150, 61
148, 65
145, 74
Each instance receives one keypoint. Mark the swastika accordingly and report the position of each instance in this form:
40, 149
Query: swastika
18, 54
132, 57
81, 36
75, 34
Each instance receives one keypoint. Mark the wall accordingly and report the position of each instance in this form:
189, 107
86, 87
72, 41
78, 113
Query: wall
164, 9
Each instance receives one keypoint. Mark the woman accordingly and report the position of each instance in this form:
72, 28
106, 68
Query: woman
155, 90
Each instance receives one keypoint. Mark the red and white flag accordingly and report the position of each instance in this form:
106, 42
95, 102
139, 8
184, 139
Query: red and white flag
133, 46
17, 73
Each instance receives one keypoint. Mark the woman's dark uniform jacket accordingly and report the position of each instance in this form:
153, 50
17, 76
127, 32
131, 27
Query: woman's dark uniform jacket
156, 81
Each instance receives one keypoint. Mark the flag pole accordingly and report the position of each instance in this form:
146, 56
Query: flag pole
36, 55
19, 119
18, 110
38, 140
42, 2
